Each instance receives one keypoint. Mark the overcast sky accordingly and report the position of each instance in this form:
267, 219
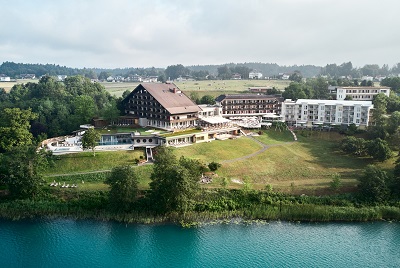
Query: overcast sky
146, 33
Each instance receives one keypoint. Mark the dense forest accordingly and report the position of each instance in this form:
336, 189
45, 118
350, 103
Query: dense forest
201, 72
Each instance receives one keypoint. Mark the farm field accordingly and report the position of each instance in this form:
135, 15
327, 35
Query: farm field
219, 87
8, 85
117, 89
208, 87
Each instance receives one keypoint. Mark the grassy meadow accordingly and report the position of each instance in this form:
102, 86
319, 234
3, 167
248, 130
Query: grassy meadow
8, 85
302, 167
219, 87
117, 89
207, 87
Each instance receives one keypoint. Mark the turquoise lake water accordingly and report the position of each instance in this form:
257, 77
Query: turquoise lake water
69, 243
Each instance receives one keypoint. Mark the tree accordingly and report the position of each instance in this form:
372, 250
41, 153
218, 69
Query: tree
14, 128
224, 72
379, 149
353, 145
392, 82
296, 77
194, 96
295, 91
373, 184
380, 103
174, 71
174, 183
319, 87
84, 109
213, 166
111, 112
393, 122
123, 183
21, 168
207, 99
395, 185
90, 140
336, 182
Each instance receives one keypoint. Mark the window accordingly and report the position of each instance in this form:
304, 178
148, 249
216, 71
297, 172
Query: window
138, 141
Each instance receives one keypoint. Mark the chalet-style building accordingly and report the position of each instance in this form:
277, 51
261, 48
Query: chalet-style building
161, 106
234, 105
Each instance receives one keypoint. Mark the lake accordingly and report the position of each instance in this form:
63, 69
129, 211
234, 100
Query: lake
70, 243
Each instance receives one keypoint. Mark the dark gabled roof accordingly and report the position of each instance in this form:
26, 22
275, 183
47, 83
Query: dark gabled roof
247, 97
169, 96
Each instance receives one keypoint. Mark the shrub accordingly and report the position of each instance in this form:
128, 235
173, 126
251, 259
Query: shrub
213, 166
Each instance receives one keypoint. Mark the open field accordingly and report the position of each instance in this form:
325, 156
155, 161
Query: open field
305, 166
85, 162
117, 89
230, 85
207, 87
219, 87
8, 85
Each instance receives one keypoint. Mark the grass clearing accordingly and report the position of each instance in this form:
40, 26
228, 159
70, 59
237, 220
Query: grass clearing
272, 136
85, 162
8, 85
117, 89
305, 166
219, 150
229, 85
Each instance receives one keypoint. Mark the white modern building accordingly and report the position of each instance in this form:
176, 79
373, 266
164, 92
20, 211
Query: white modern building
360, 93
308, 112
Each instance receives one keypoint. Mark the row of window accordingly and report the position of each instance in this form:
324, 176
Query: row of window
250, 101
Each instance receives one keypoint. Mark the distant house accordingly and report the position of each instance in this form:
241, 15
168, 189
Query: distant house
367, 78
61, 77
236, 76
255, 75
110, 79
150, 79
4, 78
137, 78
285, 76
27, 76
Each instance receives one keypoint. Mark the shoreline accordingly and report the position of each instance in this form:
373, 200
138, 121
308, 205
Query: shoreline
194, 219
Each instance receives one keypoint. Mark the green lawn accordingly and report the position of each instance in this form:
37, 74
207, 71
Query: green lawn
272, 136
219, 150
117, 89
84, 162
305, 166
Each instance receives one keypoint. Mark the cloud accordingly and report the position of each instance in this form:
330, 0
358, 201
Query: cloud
159, 33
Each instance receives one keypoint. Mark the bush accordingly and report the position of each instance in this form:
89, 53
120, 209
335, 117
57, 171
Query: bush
213, 166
